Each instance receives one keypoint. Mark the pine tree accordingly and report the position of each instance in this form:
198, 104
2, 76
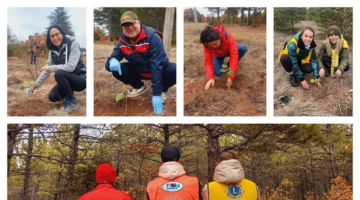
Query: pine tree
61, 18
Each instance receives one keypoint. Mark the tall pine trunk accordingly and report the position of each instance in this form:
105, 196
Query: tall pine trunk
25, 189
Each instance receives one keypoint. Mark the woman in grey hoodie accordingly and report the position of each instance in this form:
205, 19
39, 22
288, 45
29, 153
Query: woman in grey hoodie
65, 60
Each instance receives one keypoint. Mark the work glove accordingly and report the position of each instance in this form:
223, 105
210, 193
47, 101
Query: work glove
115, 66
157, 104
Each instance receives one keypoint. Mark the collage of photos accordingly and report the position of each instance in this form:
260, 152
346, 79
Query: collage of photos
180, 103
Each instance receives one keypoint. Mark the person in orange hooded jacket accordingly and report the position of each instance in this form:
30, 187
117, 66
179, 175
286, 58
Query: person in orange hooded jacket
218, 44
105, 177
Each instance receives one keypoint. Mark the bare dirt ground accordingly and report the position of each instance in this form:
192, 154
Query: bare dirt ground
24, 104
106, 87
334, 98
247, 96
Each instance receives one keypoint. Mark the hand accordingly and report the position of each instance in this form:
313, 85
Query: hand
317, 83
322, 72
32, 89
45, 68
305, 84
210, 82
338, 73
115, 66
229, 83
157, 104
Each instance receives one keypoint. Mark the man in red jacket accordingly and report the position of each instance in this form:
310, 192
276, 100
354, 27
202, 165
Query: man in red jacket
105, 177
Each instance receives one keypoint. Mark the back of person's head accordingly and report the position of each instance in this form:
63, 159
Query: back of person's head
307, 28
225, 155
49, 44
170, 153
209, 34
105, 173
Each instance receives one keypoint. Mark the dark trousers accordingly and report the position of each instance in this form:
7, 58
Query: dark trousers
33, 57
286, 63
133, 77
326, 60
67, 83
218, 61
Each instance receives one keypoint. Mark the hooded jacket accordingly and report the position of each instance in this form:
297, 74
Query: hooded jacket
67, 58
228, 47
297, 53
173, 183
343, 56
105, 192
230, 183
147, 55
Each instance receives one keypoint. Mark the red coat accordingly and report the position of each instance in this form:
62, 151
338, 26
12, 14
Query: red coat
105, 192
227, 47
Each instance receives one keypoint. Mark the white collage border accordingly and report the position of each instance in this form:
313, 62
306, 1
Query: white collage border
180, 6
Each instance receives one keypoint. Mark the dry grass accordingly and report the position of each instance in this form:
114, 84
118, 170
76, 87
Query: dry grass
248, 94
23, 104
334, 98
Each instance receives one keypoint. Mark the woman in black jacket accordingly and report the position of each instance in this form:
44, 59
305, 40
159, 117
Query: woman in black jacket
65, 60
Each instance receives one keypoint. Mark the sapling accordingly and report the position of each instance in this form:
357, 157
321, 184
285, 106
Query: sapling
227, 69
124, 93
313, 80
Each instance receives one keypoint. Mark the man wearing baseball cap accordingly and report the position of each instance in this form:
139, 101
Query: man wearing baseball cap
143, 49
173, 183
105, 177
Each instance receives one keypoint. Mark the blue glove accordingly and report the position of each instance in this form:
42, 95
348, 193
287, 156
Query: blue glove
115, 66
157, 104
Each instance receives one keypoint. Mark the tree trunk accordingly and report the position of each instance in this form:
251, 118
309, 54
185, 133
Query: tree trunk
11, 138
166, 135
242, 15
25, 189
213, 149
168, 27
333, 160
195, 20
57, 185
109, 37
248, 17
73, 152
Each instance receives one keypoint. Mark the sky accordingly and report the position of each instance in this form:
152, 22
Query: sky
27, 21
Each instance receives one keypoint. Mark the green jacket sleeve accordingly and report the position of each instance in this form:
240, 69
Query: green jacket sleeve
294, 61
314, 64
344, 56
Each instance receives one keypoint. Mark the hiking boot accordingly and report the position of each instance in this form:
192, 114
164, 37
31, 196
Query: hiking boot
327, 73
293, 80
163, 97
137, 92
69, 104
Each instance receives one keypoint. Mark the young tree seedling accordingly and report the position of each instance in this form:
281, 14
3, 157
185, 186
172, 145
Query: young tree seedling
124, 93
313, 80
227, 69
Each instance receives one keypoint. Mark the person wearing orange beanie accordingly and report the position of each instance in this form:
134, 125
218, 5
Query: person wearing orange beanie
105, 177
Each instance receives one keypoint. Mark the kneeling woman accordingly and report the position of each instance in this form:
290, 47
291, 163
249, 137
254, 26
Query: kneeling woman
299, 57
70, 72
333, 57
218, 44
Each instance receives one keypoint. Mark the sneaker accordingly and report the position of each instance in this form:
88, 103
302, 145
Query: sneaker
293, 80
163, 97
137, 92
69, 105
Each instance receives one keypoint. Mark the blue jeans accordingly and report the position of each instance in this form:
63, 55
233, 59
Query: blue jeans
218, 61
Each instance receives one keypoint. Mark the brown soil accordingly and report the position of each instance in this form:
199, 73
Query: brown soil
334, 98
247, 96
106, 87
23, 104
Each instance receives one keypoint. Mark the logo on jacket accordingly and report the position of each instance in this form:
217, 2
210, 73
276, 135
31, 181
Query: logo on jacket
234, 191
172, 186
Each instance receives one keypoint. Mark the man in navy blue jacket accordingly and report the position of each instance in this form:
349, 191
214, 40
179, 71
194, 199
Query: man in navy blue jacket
143, 49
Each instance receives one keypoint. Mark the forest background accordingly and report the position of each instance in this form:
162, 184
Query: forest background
58, 161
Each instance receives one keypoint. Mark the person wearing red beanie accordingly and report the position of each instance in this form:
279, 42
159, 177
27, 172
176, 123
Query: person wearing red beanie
105, 177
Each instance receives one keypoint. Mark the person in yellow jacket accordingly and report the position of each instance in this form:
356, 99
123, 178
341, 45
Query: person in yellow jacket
333, 57
229, 181
173, 183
